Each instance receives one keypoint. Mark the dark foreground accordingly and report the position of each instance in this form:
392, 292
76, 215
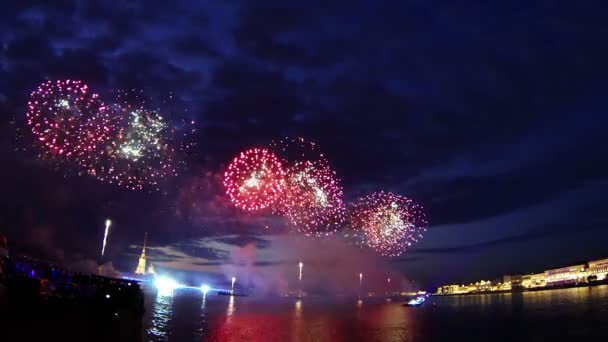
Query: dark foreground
575, 314
40, 301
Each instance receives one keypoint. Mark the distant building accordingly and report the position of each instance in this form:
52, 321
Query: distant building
566, 275
483, 286
141, 265
598, 268
516, 281
533, 280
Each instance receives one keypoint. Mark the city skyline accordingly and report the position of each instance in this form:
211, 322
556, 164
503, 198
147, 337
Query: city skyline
588, 273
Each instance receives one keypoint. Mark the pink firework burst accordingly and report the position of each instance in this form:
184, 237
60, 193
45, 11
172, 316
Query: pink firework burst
312, 199
388, 223
255, 179
67, 121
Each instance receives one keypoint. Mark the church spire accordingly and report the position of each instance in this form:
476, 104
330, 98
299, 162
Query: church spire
143, 251
141, 264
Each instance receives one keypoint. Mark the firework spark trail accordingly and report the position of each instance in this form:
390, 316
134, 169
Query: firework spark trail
294, 150
254, 179
105, 236
388, 223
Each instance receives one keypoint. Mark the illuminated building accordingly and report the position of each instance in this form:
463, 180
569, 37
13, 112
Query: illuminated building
141, 265
453, 289
516, 281
500, 286
483, 286
566, 275
534, 280
598, 268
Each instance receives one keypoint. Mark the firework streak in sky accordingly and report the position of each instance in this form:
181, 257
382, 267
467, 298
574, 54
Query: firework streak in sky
293, 150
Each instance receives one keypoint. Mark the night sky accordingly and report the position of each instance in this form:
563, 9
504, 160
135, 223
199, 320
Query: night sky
492, 116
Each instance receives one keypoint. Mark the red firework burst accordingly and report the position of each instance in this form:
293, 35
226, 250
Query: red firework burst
67, 121
312, 199
388, 223
255, 179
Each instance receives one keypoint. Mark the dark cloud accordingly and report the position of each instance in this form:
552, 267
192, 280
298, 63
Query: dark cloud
194, 249
243, 240
538, 234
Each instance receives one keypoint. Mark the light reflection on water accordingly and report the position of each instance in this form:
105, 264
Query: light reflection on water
161, 313
571, 313
230, 310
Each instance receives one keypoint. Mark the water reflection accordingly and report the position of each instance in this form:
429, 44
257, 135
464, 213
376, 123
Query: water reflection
297, 323
161, 314
202, 326
298, 309
500, 317
230, 310
204, 302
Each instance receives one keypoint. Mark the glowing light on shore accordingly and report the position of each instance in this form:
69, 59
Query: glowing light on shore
205, 288
166, 286
232, 285
300, 265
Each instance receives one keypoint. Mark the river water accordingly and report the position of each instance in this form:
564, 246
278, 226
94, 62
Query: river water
574, 314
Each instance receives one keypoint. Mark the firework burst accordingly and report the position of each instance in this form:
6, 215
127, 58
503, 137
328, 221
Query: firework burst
312, 199
67, 121
145, 148
388, 223
255, 179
